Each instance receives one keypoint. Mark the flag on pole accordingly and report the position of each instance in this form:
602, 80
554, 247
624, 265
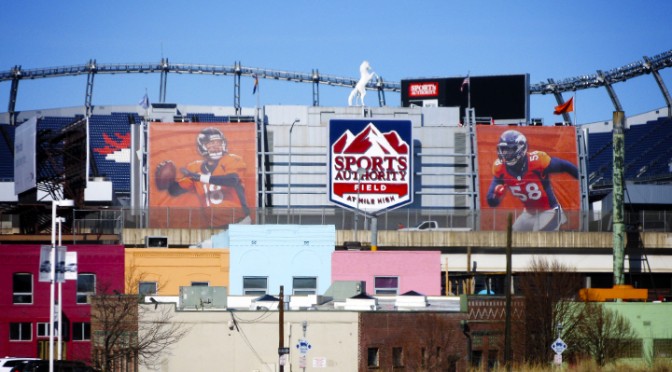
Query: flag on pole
565, 107
256, 84
465, 82
144, 102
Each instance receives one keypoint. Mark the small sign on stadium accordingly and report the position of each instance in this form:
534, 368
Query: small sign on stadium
370, 164
423, 89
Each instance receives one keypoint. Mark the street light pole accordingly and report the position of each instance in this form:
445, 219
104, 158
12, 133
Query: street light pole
289, 171
60, 221
52, 275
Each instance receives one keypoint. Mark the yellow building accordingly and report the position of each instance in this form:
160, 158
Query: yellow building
162, 271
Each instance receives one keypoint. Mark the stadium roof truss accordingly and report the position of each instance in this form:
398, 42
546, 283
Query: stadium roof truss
648, 65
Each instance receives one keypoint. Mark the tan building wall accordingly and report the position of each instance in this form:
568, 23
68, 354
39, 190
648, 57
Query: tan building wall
248, 340
172, 268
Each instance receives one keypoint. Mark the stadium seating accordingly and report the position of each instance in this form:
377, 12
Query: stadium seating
110, 147
648, 151
206, 118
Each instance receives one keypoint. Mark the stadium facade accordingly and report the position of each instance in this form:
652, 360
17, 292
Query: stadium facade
112, 161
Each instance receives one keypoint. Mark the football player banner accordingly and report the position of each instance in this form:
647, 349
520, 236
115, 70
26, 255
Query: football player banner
530, 172
370, 164
201, 175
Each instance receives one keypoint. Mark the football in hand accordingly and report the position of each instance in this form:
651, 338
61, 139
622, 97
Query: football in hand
165, 174
499, 190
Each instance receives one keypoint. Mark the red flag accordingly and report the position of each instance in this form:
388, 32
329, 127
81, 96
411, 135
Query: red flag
565, 107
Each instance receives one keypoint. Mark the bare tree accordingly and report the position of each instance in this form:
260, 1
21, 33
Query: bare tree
601, 333
119, 341
548, 287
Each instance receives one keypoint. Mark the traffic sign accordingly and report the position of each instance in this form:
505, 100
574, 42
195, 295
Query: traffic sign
303, 346
559, 346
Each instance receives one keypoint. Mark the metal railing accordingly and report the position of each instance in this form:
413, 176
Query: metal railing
113, 221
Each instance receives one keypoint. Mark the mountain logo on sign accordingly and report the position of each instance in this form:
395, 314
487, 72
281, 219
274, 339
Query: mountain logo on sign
370, 140
371, 165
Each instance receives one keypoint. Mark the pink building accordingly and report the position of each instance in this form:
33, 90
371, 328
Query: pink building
24, 300
390, 272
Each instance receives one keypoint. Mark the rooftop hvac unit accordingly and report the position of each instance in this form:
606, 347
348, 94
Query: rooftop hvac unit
156, 241
342, 289
201, 297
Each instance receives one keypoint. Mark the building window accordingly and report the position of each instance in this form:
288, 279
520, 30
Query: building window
147, 288
492, 359
255, 285
22, 286
20, 331
200, 284
86, 285
42, 329
632, 349
476, 356
385, 285
662, 348
373, 357
397, 357
81, 331
304, 285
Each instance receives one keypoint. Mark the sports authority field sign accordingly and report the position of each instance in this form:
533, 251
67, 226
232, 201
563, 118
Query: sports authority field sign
370, 164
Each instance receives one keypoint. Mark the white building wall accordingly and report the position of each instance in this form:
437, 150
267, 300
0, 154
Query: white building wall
248, 340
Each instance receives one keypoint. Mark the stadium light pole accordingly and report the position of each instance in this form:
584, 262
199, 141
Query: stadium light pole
289, 170
52, 275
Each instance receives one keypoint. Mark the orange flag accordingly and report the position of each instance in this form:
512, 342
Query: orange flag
565, 107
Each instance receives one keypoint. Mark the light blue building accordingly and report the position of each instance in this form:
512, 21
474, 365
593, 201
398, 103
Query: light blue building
264, 257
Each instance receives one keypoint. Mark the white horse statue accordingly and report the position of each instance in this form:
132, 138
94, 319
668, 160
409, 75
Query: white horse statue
360, 89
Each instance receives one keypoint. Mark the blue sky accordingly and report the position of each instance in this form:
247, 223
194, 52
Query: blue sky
400, 40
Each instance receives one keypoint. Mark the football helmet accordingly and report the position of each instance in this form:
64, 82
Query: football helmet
211, 143
512, 147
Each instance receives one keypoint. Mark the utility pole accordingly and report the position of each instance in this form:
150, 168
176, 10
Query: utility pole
618, 224
507, 286
281, 327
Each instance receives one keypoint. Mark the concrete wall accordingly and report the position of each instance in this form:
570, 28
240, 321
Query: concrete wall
215, 343
389, 238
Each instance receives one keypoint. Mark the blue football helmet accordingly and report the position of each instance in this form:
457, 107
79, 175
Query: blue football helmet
512, 147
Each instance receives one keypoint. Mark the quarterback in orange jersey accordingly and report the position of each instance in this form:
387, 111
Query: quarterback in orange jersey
216, 179
527, 176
